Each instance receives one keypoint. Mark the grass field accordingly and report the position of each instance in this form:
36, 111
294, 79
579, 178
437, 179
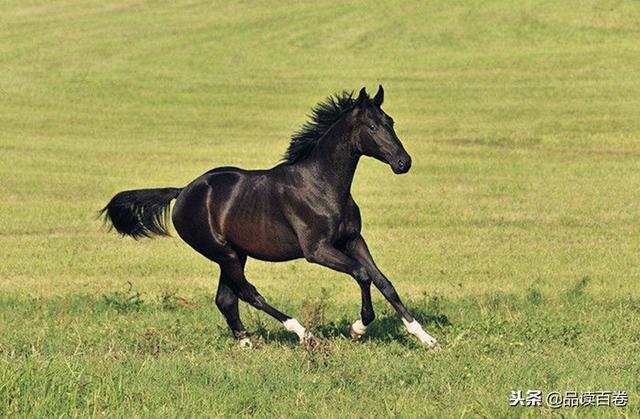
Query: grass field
514, 239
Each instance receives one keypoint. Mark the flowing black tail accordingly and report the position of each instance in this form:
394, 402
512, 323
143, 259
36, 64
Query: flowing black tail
140, 213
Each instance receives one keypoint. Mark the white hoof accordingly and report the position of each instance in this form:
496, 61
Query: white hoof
415, 329
358, 329
433, 344
245, 343
294, 326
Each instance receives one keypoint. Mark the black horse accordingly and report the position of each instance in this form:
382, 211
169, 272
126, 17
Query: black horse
300, 208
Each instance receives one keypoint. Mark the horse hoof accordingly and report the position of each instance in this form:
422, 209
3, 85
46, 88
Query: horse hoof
245, 343
355, 335
358, 329
435, 346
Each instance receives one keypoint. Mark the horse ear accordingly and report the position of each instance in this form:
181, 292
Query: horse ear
362, 98
379, 98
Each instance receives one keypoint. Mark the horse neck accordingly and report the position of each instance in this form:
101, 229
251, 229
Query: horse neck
332, 162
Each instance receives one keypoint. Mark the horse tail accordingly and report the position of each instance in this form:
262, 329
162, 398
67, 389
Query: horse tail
140, 213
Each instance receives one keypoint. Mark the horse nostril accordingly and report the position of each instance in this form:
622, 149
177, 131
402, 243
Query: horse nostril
404, 164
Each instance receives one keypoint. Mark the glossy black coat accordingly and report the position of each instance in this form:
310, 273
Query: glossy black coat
300, 208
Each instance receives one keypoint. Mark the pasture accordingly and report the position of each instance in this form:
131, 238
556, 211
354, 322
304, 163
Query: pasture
514, 239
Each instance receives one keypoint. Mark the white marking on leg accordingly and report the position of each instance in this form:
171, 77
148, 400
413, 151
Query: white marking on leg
293, 325
245, 343
415, 329
358, 329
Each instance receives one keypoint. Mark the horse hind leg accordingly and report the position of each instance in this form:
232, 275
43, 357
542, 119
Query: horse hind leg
248, 293
227, 303
233, 282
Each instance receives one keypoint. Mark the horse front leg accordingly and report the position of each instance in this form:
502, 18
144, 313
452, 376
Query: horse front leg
327, 255
358, 249
367, 315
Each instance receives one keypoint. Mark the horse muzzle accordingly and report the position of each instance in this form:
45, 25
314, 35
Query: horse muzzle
400, 164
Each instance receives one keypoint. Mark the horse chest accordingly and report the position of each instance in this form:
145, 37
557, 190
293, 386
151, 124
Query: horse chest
342, 224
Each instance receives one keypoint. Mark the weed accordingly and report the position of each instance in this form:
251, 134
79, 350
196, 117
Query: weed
534, 296
169, 300
314, 309
578, 291
124, 301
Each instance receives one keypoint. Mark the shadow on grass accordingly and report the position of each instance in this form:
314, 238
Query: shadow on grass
387, 327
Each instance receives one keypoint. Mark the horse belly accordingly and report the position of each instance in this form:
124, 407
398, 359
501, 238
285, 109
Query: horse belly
273, 242
246, 212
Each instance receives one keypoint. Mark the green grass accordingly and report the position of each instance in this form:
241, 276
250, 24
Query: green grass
523, 123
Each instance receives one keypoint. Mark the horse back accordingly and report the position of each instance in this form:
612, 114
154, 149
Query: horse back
244, 212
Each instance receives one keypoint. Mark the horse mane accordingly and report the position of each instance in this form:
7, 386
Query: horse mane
322, 117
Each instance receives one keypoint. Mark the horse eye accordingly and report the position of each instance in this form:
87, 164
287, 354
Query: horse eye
372, 127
